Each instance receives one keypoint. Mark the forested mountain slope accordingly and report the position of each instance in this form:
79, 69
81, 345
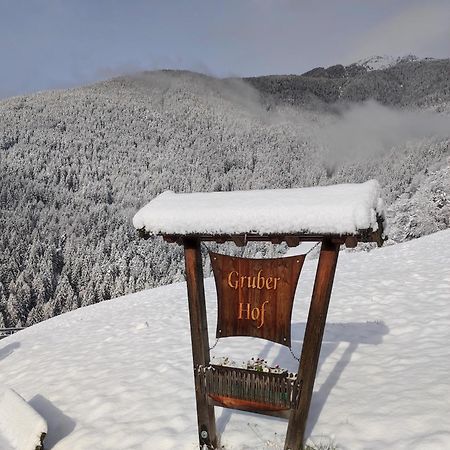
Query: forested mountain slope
409, 83
75, 166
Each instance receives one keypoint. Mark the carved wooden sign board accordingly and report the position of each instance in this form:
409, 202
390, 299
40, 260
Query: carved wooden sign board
255, 296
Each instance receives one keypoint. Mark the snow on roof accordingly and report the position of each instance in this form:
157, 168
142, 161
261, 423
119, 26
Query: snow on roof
337, 209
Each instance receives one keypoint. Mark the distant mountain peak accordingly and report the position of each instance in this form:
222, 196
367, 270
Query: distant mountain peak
378, 62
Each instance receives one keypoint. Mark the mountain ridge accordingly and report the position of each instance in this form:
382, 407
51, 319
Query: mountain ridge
408, 83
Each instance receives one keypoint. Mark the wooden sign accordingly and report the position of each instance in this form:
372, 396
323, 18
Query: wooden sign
255, 296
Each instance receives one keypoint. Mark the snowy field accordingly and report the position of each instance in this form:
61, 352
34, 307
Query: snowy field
117, 375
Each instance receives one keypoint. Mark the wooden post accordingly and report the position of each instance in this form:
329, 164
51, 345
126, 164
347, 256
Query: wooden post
199, 338
312, 343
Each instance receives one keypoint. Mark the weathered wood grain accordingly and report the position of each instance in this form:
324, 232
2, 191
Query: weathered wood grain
312, 343
199, 339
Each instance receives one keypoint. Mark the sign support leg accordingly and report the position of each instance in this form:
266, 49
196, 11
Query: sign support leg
312, 343
199, 338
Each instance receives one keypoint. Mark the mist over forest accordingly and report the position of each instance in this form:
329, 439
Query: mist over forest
75, 165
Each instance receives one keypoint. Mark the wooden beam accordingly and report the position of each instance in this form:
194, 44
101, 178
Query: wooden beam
170, 239
199, 337
312, 343
292, 241
351, 242
239, 240
276, 239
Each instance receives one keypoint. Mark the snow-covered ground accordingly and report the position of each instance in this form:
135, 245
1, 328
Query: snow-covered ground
117, 375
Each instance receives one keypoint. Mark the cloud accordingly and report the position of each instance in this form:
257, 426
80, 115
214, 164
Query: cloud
422, 29
153, 63
371, 129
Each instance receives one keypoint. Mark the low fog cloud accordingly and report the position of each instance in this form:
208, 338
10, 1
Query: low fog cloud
370, 129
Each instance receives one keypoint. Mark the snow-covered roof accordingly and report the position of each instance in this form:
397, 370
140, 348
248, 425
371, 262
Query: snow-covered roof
326, 210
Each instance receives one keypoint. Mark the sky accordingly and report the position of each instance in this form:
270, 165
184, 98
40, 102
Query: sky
48, 44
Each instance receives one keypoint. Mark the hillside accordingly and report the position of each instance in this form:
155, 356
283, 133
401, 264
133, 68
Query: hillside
407, 83
75, 165
117, 375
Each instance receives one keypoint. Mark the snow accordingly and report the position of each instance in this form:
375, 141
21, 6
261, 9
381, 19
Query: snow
338, 209
386, 61
379, 62
21, 426
118, 375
